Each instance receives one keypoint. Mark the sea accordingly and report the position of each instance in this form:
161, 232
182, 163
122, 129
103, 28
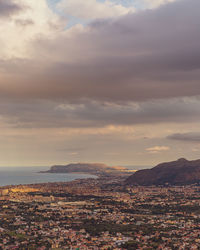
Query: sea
31, 175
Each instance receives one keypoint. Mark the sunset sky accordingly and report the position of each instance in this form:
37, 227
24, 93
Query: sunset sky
115, 81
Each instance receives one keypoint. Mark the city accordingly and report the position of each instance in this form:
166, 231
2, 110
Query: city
99, 214
100, 124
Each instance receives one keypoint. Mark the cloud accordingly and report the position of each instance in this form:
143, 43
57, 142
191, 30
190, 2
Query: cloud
24, 22
187, 137
103, 86
9, 8
29, 19
92, 9
148, 55
110, 72
152, 3
30, 113
157, 149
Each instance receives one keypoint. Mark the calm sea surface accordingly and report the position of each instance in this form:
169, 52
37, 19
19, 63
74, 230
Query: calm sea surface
30, 175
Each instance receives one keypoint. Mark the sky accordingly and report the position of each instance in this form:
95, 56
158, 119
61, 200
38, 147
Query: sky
99, 81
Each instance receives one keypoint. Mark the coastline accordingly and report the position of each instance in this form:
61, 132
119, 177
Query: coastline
27, 176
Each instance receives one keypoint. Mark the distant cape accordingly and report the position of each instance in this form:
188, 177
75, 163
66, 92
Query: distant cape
89, 168
180, 172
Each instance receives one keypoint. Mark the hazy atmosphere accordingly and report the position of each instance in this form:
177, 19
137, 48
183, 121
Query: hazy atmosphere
99, 81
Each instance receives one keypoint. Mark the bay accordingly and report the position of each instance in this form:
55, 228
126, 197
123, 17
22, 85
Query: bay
31, 175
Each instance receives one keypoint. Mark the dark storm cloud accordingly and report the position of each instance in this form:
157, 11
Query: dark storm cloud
147, 55
187, 137
8, 7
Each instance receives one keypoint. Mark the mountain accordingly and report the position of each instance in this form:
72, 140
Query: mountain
88, 168
180, 172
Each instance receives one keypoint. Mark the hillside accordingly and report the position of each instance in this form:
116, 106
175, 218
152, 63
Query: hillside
180, 172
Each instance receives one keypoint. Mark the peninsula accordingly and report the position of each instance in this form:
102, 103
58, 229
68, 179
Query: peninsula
98, 169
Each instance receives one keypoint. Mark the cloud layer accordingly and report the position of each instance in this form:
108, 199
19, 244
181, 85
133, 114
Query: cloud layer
137, 57
122, 81
30, 114
187, 137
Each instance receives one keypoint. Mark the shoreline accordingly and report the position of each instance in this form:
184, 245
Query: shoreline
72, 177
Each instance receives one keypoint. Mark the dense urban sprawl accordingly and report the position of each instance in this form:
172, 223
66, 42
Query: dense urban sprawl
99, 214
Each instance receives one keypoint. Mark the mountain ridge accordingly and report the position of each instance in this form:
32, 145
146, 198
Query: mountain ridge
180, 172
